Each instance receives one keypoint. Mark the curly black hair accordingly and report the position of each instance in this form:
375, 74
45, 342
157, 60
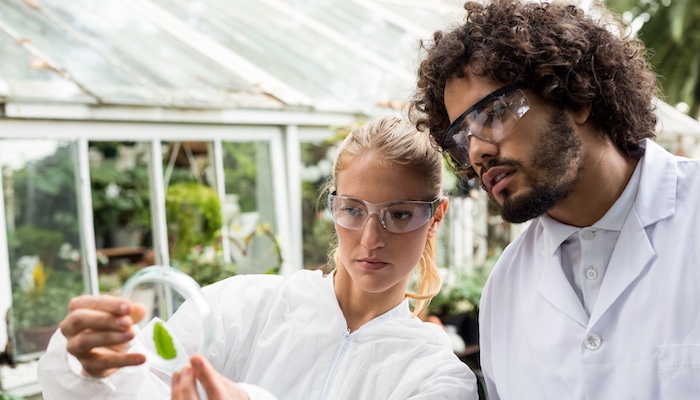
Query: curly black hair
571, 58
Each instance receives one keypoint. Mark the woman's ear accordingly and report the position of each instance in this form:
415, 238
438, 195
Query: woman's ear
440, 211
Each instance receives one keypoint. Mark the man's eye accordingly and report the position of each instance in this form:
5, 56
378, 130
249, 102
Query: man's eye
497, 109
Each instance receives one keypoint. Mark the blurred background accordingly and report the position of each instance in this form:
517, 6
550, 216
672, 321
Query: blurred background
197, 133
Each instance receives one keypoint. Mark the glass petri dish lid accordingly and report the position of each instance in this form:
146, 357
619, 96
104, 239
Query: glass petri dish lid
178, 322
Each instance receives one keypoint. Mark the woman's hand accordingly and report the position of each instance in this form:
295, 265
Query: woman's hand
98, 329
215, 385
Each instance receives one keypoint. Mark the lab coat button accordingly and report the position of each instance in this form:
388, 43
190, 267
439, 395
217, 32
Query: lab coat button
591, 273
588, 235
592, 341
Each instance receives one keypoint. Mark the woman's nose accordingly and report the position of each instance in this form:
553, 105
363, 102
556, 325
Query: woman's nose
373, 233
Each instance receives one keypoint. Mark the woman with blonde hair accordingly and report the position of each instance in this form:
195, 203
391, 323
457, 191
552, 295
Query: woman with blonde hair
350, 334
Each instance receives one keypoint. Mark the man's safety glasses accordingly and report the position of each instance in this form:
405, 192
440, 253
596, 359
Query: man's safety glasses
395, 216
491, 119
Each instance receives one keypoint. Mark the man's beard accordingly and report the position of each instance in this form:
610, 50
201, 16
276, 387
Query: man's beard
555, 159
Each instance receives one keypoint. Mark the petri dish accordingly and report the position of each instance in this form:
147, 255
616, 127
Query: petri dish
164, 335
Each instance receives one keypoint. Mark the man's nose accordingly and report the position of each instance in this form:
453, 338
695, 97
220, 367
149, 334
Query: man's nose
481, 151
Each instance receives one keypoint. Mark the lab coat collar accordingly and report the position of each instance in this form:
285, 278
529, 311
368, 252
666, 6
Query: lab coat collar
402, 310
655, 200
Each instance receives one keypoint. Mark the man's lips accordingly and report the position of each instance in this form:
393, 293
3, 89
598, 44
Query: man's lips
496, 178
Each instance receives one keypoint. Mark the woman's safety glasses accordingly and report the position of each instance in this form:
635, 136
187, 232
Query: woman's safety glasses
490, 120
395, 216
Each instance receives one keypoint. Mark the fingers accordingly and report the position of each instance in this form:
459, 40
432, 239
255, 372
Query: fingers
102, 362
98, 329
184, 386
84, 342
81, 319
216, 386
109, 304
207, 375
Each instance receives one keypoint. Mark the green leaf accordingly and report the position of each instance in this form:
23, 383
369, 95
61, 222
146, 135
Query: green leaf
164, 342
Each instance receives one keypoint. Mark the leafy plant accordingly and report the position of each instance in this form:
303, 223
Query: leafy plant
461, 292
46, 304
206, 265
670, 31
120, 198
193, 212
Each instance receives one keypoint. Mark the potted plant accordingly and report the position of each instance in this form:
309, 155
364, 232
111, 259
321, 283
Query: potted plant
193, 212
457, 303
39, 302
120, 200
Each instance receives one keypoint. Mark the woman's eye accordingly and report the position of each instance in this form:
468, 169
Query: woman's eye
401, 215
352, 211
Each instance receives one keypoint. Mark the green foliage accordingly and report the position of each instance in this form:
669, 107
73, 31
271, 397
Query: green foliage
7, 396
463, 293
206, 265
672, 34
241, 172
318, 233
49, 306
30, 240
120, 197
45, 194
193, 212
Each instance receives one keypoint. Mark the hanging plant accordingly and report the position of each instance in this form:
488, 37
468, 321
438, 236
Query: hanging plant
193, 212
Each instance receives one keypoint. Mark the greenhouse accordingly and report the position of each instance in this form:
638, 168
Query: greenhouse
196, 134
240, 101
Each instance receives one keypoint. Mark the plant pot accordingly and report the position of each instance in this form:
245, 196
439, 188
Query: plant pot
127, 237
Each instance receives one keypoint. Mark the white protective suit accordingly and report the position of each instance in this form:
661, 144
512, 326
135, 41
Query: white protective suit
288, 339
642, 339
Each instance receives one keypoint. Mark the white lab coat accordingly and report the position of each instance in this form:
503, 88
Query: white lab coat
288, 339
642, 340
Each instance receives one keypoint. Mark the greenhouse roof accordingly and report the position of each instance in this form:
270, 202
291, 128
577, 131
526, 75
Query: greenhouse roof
324, 55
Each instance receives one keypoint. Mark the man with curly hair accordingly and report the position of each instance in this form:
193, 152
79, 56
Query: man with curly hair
551, 108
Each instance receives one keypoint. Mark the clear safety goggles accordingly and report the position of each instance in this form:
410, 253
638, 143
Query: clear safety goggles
491, 119
395, 216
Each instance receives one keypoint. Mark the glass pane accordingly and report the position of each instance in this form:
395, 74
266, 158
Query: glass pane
39, 185
119, 178
249, 207
84, 63
136, 39
296, 49
193, 212
28, 78
317, 226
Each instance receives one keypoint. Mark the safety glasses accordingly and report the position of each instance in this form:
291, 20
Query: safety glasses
395, 216
491, 119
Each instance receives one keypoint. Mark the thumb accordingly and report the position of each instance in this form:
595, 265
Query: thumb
205, 373
137, 312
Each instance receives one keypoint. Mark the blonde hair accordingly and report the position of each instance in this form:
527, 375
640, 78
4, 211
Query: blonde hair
393, 141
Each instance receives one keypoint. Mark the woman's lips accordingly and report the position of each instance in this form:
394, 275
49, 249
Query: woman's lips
372, 265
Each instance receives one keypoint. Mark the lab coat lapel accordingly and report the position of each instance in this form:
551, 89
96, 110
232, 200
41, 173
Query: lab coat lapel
632, 255
554, 287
